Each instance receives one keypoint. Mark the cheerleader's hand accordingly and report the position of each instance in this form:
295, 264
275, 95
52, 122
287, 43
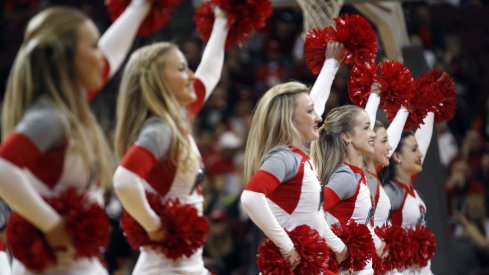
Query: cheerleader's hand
157, 235
334, 50
340, 257
59, 239
293, 258
375, 88
219, 13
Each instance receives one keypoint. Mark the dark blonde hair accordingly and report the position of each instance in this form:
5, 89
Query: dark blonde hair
330, 150
145, 93
272, 124
45, 66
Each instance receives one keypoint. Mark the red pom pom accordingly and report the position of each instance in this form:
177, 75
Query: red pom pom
360, 82
353, 31
157, 18
360, 244
358, 37
311, 247
438, 91
187, 229
423, 245
28, 245
315, 48
396, 240
378, 266
86, 224
242, 16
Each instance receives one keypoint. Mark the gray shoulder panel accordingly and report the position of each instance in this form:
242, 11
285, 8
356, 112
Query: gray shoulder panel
343, 182
156, 137
44, 125
395, 194
282, 163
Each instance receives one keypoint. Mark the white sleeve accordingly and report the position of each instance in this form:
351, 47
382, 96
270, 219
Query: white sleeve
395, 129
210, 67
4, 262
424, 133
21, 196
118, 38
371, 107
333, 241
256, 206
130, 191
322, 87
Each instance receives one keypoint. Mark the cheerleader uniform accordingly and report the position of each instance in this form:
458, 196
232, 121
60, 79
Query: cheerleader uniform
146, 167
41, 154
381, 200
285, 193
347, 197
148, 160
408, 209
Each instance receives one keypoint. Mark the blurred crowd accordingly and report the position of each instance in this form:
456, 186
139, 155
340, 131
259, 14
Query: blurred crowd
454, 35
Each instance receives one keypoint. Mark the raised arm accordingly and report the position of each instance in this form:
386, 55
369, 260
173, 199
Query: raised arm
373, 104
210, 67
118, 38
424, 133
396, 127
322, 87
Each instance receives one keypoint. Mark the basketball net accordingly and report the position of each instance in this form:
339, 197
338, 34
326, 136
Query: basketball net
319, 13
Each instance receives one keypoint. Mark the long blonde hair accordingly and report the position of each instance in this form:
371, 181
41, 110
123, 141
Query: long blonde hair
330, 150
272, 124
45, 65
145, 93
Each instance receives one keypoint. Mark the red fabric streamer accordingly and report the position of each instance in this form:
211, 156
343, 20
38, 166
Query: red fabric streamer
358, 37
28, 244
378, 266
360, 245
422, 245
157, 18
86, 223
243, 17
438, 89
360, 83
315, 48
186, 230
396, 240
311, 247
353, 31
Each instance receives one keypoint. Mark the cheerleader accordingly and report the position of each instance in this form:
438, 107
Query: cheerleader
408, 209
158, 99
283, 190
384, 142
345, 138
52, 142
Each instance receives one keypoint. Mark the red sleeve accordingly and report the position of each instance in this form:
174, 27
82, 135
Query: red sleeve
139, 161
105, 78
330, 198
19, 150
263, 182
194, 108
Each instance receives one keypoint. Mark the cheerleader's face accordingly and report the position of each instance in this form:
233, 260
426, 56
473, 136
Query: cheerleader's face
381, 147
362, 137
410, 157
89, 60
179, 77
305, 119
